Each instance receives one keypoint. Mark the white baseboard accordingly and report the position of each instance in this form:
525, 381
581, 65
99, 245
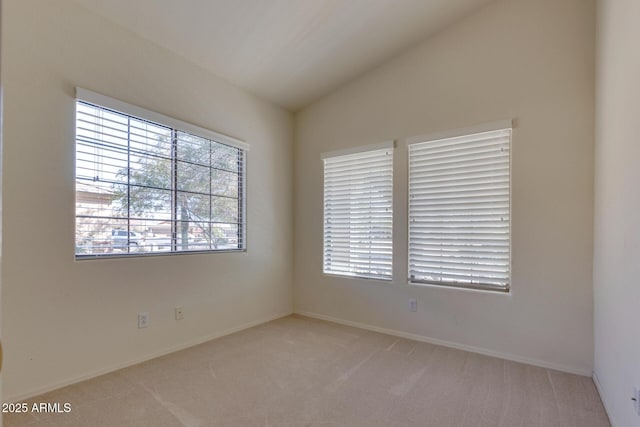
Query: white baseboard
603, 398
515, 358
49, 387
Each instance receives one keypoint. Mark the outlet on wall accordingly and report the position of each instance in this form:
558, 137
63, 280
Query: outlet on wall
143, 320
179, 313
413, 304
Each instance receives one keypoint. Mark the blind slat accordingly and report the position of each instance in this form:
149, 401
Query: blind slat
358, 192
459, 210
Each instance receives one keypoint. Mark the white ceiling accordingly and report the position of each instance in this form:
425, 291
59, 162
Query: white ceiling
290, 52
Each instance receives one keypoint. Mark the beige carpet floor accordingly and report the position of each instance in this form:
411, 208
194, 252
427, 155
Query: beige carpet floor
297, 371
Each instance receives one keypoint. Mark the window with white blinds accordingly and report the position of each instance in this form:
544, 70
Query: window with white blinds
459, 211
148, 187
358, 214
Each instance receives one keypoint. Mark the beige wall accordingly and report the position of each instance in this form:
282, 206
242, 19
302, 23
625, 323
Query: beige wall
528, 60
617, 203
64, 320
1, 132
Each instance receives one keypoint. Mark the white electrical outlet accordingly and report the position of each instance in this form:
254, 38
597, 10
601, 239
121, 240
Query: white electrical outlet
413, 304
636, 399
179, 313
143, 320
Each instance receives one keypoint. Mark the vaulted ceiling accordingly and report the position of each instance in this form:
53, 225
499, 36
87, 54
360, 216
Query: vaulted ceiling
290, 52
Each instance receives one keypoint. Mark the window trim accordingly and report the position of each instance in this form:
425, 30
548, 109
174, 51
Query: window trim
467, 130
359, 149
390, 144
453, 133
176, 125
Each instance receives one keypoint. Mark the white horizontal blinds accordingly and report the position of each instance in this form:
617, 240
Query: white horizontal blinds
145, 188
358, 214
459, 210
113, 194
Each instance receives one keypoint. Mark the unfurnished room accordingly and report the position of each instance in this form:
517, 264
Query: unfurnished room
320, 213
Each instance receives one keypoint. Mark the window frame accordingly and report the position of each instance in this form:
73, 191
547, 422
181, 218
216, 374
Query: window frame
467, 131
175, 126
388, 145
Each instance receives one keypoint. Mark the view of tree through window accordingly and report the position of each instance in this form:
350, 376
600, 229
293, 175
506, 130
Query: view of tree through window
142, 187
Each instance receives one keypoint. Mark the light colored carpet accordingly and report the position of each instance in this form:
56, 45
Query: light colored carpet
298, 371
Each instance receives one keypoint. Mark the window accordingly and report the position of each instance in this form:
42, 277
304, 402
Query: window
459, 211
149, 184
358, 213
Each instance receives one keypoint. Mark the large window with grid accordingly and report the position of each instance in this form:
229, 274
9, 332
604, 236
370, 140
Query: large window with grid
358, 212
459, 211
149, 184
